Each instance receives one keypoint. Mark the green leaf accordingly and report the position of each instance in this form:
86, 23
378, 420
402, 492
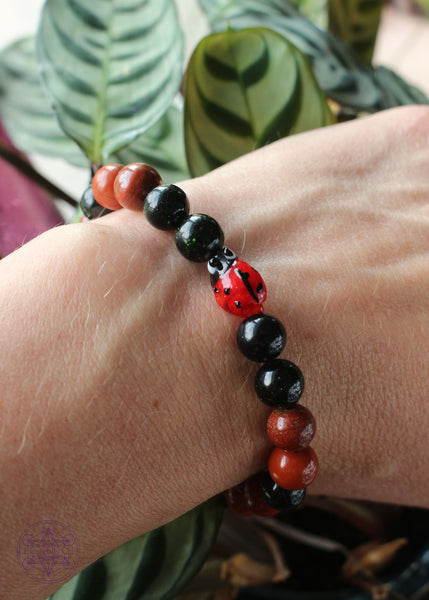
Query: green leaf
315, 10
25, 110
161, 146
111, 68
356, 23
340, 73
245, 89
30, 122
154, 566
425, 6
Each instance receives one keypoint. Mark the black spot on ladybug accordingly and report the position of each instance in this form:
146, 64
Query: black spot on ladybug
227, 291
238, 304
214, 278
244, 275
259, 288
216, 291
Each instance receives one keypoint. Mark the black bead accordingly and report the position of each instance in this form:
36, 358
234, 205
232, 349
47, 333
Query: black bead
261, 337
199, 238
90, 207
279, 383
166, 207
279, 498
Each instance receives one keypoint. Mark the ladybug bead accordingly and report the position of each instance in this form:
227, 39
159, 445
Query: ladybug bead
238, 287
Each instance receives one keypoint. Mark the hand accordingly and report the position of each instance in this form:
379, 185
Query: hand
125, 400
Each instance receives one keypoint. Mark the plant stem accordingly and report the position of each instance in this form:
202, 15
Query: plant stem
364, 577
303, 537
24, 167
369, 519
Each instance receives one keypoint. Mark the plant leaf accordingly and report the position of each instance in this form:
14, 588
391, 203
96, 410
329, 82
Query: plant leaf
372, 556
315, 10
30, 122
25, 110
356, 23
154, 566
424, 5
245, 89
340, 73
111, 68
161, 146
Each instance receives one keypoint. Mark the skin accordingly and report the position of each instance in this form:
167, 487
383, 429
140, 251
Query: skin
125, 401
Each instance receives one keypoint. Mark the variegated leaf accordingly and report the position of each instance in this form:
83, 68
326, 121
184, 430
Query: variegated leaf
111, 68
161, 146
245, 89
154, 566
25, 110
356, 23
341, 75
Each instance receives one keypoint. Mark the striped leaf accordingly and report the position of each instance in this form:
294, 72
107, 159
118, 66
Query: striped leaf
25, 110
315, 10
155, 566
161, 146
30, 122
245, 89
340, 73
111, 68
356, 23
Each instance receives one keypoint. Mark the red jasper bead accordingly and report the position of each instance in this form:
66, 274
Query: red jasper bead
247, 498
293, 470
133, 183
102, 186
291, 429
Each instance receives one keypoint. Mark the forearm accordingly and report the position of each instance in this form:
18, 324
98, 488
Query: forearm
126, 401
111, 421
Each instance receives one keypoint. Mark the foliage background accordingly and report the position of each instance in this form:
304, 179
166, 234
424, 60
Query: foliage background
403, 41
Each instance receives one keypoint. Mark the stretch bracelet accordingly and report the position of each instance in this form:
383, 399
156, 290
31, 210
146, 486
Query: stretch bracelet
240, 290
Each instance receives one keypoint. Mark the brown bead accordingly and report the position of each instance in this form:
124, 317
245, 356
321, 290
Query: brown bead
102, 186
293, 470
291, 429
247, 499
133, 183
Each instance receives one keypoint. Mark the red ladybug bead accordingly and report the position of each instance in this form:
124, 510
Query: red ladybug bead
291, 429
238, 287
293, 470
133, 183
102, 186
247, 498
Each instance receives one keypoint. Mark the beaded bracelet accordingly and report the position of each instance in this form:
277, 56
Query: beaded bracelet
240, 290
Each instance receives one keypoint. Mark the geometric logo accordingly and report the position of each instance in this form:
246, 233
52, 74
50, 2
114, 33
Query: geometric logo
48, 551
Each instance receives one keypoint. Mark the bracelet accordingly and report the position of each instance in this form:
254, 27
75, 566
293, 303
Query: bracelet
240, 290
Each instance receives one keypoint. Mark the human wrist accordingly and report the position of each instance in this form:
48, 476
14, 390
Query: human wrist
199, 238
